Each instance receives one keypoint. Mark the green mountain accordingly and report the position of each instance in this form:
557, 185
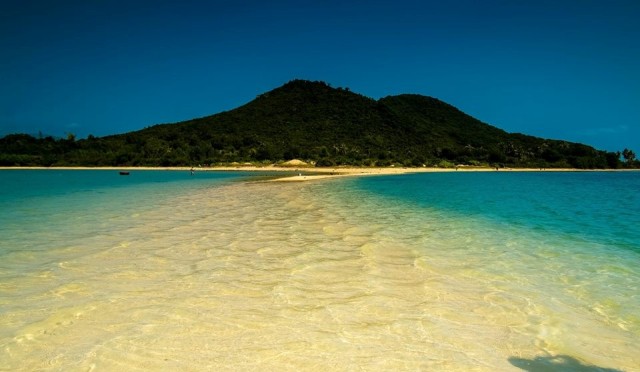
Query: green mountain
314, 122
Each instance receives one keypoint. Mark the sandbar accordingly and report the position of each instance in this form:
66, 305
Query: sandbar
310, 173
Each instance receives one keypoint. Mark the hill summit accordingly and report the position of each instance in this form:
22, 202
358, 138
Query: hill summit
322, 125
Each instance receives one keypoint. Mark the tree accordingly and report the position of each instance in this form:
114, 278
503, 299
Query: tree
613, 159
628, 155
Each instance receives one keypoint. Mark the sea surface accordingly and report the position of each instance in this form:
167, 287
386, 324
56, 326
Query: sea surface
459, 271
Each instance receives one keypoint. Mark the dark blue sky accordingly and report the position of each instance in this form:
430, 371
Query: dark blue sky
563, 69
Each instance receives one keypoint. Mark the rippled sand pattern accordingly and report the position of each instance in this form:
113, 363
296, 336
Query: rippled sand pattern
293, 277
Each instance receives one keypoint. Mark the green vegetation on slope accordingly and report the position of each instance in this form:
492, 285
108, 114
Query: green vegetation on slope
320, 124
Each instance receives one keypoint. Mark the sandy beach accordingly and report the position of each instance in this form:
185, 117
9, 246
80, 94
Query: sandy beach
309, 173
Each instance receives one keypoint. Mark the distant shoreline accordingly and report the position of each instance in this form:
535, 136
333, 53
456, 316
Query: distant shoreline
303, 173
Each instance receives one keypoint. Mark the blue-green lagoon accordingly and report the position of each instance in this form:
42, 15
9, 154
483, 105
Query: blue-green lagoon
433, 271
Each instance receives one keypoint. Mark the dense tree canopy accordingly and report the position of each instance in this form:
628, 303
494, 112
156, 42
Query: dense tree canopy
320, 124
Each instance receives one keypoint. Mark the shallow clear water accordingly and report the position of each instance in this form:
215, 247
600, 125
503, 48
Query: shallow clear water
456, 271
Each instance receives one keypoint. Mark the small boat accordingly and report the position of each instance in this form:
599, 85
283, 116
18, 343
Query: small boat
124, 173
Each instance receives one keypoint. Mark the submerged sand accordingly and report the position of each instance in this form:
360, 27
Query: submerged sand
303, 277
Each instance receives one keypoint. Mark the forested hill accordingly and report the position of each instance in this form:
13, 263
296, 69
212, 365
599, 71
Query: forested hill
314, 122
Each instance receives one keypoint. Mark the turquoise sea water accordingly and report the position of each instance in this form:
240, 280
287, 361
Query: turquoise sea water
599, 207
435, 271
